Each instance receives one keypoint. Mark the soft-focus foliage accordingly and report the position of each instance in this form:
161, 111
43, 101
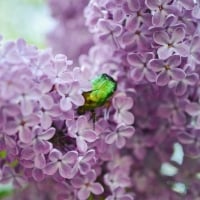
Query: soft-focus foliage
151, 48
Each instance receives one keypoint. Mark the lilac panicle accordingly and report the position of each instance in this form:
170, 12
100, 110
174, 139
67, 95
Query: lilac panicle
151, 49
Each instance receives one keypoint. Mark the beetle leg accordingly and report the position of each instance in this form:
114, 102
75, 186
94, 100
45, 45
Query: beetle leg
93, 117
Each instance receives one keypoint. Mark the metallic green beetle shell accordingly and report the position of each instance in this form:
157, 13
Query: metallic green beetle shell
103, 88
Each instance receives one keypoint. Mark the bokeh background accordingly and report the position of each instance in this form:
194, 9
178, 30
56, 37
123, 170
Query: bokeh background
28, 19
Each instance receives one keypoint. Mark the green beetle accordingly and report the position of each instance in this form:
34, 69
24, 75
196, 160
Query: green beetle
103, 87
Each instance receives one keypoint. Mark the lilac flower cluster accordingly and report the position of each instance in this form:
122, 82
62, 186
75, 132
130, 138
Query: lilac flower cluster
42, 138
151, 48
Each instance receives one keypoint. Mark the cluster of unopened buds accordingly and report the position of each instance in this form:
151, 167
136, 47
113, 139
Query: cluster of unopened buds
66, 134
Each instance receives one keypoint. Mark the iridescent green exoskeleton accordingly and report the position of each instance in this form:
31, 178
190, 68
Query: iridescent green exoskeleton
103, 87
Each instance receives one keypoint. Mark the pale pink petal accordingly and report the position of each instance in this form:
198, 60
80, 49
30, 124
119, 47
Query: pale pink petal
81, 144
55, 155
65, 104
89, 135
120, 142
137, 74
45, 120
83, 193
178, 35
65, 171
163, 79
134, 60
182, 49
150, 75
39, 161
46, 101
77, 99
48, 134
70, 157
165, 52
161, 38
111, 138
177, 74
174, 61
96, 188
51, 168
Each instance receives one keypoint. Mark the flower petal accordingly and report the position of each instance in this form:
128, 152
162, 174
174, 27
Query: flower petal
81, 144
110, 138
161, 37
178, 35
51, 168
163, 78
177, 74
165, 52
83, 193
96, 188
137, 74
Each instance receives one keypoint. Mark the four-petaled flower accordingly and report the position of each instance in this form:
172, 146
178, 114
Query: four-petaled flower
61, 163
83, 133
119, 135
122, 104
141, 68
170, 45
87, 185
167, 70
70, 93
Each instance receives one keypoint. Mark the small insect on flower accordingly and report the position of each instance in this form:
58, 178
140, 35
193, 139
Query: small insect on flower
103, 87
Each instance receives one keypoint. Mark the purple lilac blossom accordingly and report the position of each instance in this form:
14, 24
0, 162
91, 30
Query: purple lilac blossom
151, 48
